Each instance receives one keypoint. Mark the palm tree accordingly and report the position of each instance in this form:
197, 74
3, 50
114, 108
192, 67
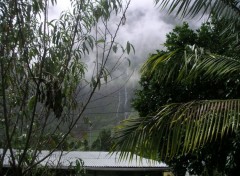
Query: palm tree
182, 127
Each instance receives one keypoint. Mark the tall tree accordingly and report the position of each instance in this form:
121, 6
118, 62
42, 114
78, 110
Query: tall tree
158, 94
176, 126
44, 90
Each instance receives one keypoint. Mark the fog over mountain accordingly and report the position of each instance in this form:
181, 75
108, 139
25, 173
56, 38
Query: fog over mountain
146, 28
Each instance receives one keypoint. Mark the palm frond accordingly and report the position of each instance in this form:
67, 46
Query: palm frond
198, 63
190, 64
215, 66
177, 128
188, 8
164, 66
226, 10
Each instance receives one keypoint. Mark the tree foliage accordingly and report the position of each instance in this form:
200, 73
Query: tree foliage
103, 141
161, 82
186, 108
43, 81
194, 123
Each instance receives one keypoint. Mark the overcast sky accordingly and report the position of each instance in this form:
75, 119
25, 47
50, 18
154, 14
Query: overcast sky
146, 28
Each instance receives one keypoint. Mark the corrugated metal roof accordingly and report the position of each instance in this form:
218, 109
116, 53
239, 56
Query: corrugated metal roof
94, 160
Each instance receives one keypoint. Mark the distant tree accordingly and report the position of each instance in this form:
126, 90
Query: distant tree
69, 144
103, 141
45, 86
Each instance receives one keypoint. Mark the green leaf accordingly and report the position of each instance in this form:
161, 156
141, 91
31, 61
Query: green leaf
128, 47
115, 48
40, 29
133, 48
101, 41
129, 61
32, 102
85, 48
58, 37
93, 82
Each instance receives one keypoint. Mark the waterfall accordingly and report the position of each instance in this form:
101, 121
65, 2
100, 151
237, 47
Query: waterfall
119, 103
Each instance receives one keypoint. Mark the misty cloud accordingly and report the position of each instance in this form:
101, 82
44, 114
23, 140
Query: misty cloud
146, 28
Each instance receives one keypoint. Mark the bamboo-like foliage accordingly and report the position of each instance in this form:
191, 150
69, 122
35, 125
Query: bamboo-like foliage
44, 90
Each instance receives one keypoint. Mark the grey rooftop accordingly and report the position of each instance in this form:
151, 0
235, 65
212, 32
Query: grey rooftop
94, 161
